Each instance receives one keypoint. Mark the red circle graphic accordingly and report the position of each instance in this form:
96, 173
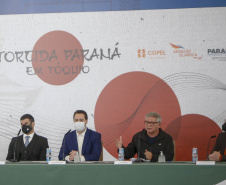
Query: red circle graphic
192, 131
57, 57
124, 102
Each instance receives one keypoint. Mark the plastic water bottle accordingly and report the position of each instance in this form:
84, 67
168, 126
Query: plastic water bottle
77, 158
162, 158
121, 154
48, 154
194, 155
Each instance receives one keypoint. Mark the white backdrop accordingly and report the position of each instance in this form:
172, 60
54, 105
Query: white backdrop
191, 30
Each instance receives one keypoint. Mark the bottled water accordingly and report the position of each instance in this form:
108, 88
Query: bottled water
121, 154
48, 154
161, 158
77, 158
194, 155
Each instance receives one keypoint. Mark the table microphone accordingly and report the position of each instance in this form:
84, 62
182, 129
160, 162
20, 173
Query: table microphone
14, 152
138, 152
64, 142
208, 147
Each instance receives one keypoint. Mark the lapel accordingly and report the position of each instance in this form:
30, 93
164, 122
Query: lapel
86, 141
74, 141
18, 145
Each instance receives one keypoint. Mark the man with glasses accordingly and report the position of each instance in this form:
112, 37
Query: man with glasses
82, 141
29, 146
150, 141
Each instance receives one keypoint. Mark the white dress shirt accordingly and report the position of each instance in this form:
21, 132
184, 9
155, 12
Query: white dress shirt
80, 139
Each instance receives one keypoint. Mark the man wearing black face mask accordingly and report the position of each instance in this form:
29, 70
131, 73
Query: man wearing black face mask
29, 146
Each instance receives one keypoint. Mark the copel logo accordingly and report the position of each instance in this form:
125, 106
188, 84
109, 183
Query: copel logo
151, 53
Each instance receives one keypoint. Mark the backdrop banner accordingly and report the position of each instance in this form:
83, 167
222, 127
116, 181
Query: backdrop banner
117, 66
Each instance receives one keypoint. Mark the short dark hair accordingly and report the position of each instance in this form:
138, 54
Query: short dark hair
81, 112
30, 117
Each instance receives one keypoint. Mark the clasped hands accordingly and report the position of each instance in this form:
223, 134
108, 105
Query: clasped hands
215, 156
118, 144
72, 155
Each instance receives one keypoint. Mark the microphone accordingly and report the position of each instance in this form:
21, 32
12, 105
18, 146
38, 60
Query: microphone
14, 152
208, 147
19, 133
138, 151
64, 143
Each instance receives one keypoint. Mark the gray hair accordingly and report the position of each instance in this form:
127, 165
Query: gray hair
155, 115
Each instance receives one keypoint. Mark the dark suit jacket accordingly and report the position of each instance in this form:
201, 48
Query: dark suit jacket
140, 143
91, 148
36, 148
220, 145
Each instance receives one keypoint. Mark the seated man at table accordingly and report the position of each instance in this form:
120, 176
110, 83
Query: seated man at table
219, 150
150, 141
29, 146
85, 142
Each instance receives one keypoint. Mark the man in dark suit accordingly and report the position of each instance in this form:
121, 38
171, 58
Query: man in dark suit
219, 150
82, 141
29, 146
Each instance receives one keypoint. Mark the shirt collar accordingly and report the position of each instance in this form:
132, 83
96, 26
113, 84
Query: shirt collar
31, 135
83, 134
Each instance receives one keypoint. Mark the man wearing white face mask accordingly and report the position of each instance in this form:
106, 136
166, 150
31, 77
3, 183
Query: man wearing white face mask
85, 142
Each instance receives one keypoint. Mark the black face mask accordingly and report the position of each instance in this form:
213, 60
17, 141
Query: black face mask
26, 128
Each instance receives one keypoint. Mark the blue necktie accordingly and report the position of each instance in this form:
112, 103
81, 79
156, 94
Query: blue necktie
27, 140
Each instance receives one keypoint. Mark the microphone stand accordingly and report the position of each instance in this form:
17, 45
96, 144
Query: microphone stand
14, 152
138, 152
64, 143
208, 146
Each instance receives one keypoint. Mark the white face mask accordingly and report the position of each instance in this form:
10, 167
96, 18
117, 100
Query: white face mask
80, 126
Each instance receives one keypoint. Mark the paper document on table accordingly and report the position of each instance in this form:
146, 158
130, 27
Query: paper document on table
57, 162
123, 162
2, 162
205, 163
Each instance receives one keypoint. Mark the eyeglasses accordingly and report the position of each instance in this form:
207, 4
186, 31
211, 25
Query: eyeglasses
150, 122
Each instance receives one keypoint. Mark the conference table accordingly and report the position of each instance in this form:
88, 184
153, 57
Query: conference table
107, 173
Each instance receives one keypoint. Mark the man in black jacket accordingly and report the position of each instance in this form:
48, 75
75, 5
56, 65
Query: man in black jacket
150, 141
29, 146
219, 150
